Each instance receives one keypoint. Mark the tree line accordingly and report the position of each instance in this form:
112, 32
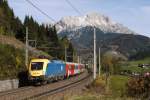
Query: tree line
45, 35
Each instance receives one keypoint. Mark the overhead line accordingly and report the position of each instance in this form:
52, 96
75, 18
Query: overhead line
40, 10
73, 7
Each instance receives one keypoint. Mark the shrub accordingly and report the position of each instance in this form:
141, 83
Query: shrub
98, 85
11, 61
139, 87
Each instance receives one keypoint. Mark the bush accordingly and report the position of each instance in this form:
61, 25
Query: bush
11, 61
139, 87
98, 85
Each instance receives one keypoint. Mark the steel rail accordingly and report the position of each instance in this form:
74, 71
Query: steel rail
58, 90
14, 91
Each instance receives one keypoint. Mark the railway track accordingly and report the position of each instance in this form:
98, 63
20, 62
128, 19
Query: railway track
40, 91
15, 90
58, 90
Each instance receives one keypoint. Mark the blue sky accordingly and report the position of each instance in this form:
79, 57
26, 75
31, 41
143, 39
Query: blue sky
135, 14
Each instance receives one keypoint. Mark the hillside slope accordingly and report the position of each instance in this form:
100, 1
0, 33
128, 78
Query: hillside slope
12, 50
12, 41
109, 35
12, 59
45, 35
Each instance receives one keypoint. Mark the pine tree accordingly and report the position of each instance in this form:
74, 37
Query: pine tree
45, 35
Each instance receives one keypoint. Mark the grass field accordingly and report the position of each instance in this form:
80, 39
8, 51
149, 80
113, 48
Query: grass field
133, 65
117, 85
116, 90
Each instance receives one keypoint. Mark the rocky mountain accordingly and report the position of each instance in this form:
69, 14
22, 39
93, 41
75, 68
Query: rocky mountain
92, 19
110, 35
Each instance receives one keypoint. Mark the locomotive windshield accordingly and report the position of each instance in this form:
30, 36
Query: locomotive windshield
36, 65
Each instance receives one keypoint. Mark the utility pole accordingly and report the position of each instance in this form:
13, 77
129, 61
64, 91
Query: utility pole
99, 62
73, 57
65, 54
94, 54
26, 55
78, 59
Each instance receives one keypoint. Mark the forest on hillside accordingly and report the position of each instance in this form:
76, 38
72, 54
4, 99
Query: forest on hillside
41, 36
44, 36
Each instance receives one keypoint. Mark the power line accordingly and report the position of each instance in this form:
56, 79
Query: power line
73, 7
40, 10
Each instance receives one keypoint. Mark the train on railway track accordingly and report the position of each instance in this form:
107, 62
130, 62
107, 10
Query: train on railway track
43, 71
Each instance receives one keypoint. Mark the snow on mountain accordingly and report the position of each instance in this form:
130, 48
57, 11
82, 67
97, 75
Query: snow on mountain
92, 19
110, 35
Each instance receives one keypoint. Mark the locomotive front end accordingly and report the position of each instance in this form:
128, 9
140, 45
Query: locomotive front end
37, 69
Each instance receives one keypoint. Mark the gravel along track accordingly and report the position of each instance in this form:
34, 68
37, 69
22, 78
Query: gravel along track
25, 94
14, 91
69, 89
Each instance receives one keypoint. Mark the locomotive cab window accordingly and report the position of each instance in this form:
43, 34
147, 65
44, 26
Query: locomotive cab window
36, 65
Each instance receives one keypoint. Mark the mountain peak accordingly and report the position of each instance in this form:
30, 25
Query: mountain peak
91, 19
98, 16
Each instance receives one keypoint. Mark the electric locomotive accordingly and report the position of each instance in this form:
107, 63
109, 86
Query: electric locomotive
44, 70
